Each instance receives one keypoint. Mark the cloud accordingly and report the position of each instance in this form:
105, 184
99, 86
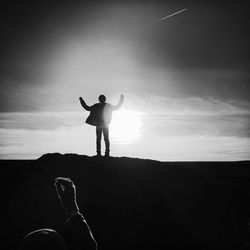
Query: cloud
41, 120
190, 105
31, 144
171, 129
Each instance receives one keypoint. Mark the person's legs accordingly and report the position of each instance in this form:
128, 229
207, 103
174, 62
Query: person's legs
98, 140
106, 139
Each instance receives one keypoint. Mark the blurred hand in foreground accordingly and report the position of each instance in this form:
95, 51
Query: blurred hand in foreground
66, 192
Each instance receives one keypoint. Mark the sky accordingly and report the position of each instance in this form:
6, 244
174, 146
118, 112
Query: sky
185, 79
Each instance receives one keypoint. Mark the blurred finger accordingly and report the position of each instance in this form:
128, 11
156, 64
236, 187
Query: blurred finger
59, 189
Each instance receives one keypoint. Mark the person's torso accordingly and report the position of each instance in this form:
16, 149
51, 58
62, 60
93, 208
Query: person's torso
100, 114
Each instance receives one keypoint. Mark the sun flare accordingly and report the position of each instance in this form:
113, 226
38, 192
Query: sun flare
125, 126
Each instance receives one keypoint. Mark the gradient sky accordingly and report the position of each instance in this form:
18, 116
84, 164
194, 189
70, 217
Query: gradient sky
185, 78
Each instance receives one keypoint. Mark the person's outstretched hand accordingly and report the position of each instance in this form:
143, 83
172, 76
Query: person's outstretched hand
66, 192
122, 96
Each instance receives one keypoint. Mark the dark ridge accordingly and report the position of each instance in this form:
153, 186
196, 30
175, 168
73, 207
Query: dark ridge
71, 156
130, 203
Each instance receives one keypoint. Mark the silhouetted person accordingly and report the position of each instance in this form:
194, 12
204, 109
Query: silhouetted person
77, 226
100, 116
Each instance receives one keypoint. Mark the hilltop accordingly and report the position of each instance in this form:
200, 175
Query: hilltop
131, 203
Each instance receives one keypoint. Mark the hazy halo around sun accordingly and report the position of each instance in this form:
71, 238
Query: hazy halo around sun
126, 126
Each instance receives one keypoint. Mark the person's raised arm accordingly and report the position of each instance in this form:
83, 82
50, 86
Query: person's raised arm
78, 228
84, 105
119, 104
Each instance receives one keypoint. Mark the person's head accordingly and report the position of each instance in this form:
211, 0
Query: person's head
43, 239
102, 99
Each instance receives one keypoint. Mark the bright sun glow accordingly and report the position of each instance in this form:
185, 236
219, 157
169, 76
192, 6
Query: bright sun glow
125, 126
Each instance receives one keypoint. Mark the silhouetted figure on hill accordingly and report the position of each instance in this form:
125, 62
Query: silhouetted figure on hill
100, 116
77, 226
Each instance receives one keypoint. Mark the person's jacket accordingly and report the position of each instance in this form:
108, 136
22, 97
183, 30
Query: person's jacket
100, 113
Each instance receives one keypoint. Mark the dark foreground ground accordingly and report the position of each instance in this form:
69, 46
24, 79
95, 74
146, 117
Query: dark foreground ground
130, 203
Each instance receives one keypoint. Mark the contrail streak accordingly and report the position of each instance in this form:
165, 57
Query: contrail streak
163, 18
